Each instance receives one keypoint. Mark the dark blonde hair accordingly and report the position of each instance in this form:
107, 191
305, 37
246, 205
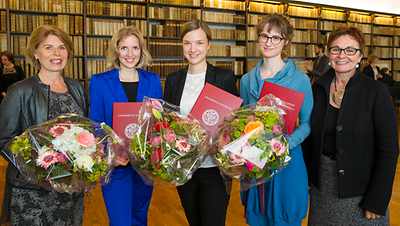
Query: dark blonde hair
9, 56
353, 32
372, 58
39, 35
279, 23
194, 25
113, 53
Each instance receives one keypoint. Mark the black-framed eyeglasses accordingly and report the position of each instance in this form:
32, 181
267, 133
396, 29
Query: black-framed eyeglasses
349, 51
274, 39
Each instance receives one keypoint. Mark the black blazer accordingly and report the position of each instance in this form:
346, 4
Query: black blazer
220, 77
5, 84
366, 140
320, 67
368, 71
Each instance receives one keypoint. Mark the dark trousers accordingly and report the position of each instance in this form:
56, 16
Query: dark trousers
204, 198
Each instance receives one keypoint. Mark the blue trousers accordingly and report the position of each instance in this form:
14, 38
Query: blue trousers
127, 198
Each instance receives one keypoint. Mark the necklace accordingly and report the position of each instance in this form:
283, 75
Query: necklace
337, 95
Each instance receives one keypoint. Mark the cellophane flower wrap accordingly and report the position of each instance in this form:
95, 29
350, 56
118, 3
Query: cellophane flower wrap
250, 142
168, 146
68, 154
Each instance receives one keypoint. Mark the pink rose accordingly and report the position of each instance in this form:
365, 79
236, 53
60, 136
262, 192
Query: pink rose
170, 136
156, 141
61, 157
86, 139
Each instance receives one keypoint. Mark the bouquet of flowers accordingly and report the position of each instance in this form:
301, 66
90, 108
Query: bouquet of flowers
67, 154
168, 147
250, 142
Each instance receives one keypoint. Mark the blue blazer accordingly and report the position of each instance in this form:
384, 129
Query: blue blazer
106, 88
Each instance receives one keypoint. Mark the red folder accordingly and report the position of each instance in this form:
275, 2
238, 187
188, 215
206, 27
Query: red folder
125, 121
213, 104
291, 97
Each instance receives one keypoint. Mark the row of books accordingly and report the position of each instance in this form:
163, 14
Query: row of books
253, 50
303, 24
96, 67
396, 53
305, 36
383, 52
3, 4
27, 23
360, 18
226, 51
254, 19
97, 46
396, 41
330, 25
174, 13
396, 65
333, 15
228, 34
165, 67
262, 7
115, 9
223, 18
302, 11
3, 41
382, 41
3, 21
380, 30
165, 48
235, 66
300, 50
365, 28
178, 2
384, 20
232, 5
110, 27
60, 6
168, 29
29, 70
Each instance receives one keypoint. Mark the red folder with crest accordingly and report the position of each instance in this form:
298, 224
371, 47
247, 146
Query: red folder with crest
125, 121
292, 98
213, 104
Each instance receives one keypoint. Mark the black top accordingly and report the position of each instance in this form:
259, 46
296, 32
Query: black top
131, 89
9, 76
330, 132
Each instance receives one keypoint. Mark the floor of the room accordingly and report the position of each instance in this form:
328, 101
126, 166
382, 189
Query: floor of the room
165, 208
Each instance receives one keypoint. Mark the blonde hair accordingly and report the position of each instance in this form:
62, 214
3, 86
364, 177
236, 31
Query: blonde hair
372, 58
113, 53
39, 35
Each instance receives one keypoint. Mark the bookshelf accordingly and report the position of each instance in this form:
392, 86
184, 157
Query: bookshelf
91, 24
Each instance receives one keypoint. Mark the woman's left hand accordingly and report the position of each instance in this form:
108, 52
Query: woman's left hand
370, 215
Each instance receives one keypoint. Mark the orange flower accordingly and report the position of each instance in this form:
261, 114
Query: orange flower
257, 125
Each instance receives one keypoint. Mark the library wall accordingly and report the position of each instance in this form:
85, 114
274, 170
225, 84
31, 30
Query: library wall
91, 24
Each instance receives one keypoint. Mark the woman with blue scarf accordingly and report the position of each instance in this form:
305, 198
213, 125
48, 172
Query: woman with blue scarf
282, 200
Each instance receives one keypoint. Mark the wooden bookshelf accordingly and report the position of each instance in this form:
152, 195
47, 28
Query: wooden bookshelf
91, 24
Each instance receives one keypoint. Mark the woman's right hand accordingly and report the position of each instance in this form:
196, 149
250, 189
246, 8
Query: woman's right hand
121, 161
370, 215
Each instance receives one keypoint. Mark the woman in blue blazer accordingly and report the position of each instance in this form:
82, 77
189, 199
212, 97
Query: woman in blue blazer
127, 197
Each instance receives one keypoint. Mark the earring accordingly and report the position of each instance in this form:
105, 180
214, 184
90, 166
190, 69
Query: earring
357, 65
329, 63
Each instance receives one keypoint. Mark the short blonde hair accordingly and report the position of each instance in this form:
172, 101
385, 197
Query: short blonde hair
113, 53
372, 58
39, 35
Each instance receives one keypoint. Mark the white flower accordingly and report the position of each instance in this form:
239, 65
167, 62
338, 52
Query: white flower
85, 162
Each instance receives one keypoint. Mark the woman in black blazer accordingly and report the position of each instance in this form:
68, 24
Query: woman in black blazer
351, 153
371, 70
9, 73
204, 196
